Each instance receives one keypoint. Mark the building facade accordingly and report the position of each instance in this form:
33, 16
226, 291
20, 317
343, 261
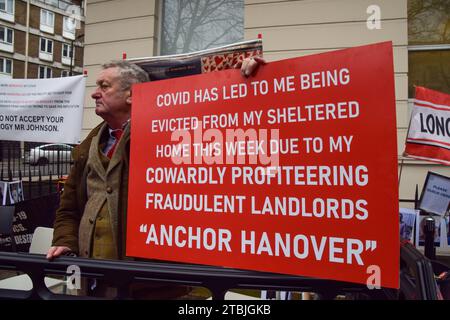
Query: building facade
419, 30
37, 38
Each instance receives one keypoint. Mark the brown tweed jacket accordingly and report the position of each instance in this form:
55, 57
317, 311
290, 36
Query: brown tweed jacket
73, 227
73, 230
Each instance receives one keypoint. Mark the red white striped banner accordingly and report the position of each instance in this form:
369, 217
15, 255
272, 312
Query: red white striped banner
429, 128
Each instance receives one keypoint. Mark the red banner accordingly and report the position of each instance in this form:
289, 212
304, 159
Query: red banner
292, 171
429, 129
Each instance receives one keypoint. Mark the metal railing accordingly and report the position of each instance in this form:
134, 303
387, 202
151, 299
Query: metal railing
38, 170
121, 274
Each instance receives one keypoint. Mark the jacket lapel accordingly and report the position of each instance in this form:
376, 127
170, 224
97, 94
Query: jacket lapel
94, 152
120, 149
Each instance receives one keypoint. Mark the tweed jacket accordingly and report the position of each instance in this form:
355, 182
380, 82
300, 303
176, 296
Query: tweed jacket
73, 226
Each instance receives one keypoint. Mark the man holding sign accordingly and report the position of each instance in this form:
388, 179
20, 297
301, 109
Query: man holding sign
91, 219
292, 171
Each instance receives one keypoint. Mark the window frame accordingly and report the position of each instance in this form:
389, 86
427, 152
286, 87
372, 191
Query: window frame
45, 54
8, 13
5, 45
160, 42
69, 51
46, 69
7, 7
5, 41
428, 47
69, 34
3, 65
67, 60
421, 48
44, 25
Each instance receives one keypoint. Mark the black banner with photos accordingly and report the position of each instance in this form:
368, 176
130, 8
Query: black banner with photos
29, 214
209, 60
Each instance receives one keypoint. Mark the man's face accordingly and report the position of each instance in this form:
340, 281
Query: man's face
111, 101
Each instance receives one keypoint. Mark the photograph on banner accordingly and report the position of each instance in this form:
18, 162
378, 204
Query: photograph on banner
407, 223
3, 192
43, 110
420, 233
435, 197
15, 191
271, 172
198, 62
428, 137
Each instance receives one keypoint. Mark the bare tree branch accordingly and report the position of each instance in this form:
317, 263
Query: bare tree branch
198, 24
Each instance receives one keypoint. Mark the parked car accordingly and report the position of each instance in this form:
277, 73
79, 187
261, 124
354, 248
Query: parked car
50, 153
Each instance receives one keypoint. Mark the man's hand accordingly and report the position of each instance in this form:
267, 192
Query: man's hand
54, 252
250, 65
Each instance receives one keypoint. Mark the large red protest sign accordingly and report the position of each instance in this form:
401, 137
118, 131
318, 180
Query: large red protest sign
429, 128
291, 171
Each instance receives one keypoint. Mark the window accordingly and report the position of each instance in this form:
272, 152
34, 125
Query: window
46, 45
65, 73
429, 45
67, 50
6, 35
5, 67
46, 49
6, 39
69, 27
7, 6
47, 21
7, 10
45, 72
67, 54
196, 25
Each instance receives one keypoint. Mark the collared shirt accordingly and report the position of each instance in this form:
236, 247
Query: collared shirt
111, 138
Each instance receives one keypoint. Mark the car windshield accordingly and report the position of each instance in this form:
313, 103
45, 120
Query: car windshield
56, 147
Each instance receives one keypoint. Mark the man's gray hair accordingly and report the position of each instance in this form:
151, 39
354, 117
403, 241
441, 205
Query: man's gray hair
129, 73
